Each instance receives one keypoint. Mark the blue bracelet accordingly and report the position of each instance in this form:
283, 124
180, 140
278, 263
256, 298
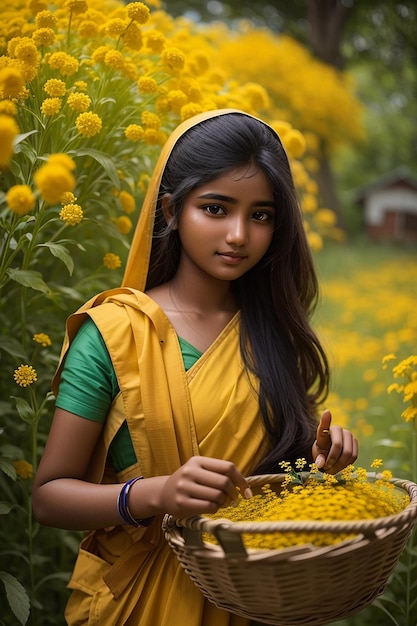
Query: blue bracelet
123, 506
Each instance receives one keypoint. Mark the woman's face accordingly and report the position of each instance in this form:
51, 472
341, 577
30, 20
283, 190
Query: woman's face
227, 225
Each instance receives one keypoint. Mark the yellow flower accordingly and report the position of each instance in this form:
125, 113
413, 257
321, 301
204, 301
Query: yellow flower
124, 224
66, 64
72, 214
45, 19
8, 107
8, 131
43, 37
55, 88
20, 199
376, 463
138, 11
190, 109
76, 6
409, 414
52, 180
68, 198
134, 132
387, 358
43, 339
176, 99
132, 37
147, 84
151, 120
11, 82
173, 58
60, 158
23, 469
78, 102
25, 375
114, 59
88, 124
127, 201
26, 51
112, 261
155, 41
51, 106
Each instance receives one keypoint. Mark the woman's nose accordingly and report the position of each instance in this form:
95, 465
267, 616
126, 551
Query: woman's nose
237, 232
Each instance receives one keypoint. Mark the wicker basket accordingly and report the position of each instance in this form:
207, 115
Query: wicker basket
292, 586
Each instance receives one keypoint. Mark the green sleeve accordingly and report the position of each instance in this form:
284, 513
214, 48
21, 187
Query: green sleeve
88, 382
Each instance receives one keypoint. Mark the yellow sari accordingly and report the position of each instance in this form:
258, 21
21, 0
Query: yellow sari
128, 576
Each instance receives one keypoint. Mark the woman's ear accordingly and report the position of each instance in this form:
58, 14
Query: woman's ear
168, 210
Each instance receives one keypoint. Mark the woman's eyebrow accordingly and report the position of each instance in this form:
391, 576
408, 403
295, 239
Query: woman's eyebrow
222, 198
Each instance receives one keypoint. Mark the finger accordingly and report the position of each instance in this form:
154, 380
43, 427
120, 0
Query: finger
323, 440
344, 450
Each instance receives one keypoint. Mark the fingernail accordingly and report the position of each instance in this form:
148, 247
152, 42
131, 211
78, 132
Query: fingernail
247, 493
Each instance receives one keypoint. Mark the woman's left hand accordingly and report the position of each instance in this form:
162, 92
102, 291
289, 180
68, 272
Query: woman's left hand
335, 447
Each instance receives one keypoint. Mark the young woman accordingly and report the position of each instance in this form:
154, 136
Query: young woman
200, 370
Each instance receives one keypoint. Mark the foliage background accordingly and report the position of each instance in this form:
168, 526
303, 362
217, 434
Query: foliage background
141, 76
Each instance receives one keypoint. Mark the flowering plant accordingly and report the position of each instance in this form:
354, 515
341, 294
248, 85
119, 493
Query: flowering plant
353, 494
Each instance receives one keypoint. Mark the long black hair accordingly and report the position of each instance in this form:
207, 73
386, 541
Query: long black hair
276, 297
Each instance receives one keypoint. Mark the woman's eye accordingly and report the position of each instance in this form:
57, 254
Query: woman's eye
214, 209
262, 216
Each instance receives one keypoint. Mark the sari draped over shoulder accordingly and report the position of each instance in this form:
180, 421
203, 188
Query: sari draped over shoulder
125, 575
129, 576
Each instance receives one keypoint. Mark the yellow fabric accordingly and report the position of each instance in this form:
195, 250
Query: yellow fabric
128, 576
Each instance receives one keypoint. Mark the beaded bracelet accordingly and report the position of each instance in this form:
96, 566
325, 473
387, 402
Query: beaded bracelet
123, 506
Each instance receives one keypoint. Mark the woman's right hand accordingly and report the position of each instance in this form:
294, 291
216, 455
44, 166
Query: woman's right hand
202, 485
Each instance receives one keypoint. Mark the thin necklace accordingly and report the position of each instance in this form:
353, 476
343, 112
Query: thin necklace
182, 314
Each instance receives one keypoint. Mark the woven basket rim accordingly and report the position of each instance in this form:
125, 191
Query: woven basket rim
368, 526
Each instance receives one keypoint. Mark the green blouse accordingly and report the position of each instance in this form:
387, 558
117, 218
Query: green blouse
89, 385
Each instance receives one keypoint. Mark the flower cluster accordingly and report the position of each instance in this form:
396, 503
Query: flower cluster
352, 495
407, 370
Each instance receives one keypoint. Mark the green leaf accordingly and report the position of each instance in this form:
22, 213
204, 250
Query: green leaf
106, 163
5, 508
28, 278
26, 413
61, 253
12, 346
7, 468
389, 443
17, 597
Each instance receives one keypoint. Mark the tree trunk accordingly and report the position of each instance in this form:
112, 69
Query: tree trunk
327, 19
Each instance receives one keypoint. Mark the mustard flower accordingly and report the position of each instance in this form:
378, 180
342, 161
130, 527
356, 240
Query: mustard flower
55, 88
51, 106
88, 29
124, 224
11, 82
68, 198
138, 11
151, 120
409, 414
60, 158
45, 19
325, 217
112, 261
78, 102
43, 339
115, 27
173, 58
20, 199
147, 84
25, 375
52, 180
37, 5
155, 41
23, 469
72, 214
26, 51
66, 64
177, 99
387, 358
190, 109
43, 37
132, 37
114, 59
294, 143
76, 6
88, 124
315, 241
127, 201
8, 131
8, 107
81, 85
376, 463
134, 132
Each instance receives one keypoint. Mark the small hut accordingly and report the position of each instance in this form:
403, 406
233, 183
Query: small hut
390, 206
